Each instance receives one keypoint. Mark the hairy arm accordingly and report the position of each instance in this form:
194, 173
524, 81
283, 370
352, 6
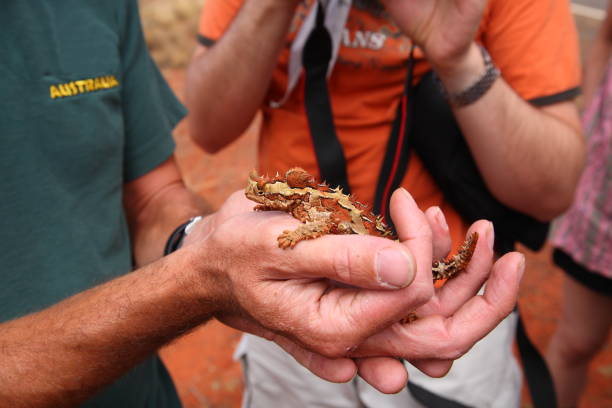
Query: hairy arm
231, 267
64, 354
228, 81
70, 350
155, 204
236, 272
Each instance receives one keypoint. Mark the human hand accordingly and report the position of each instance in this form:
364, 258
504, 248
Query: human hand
453, 320
443, 29
306, 299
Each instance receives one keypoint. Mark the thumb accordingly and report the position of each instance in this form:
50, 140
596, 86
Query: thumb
356, 260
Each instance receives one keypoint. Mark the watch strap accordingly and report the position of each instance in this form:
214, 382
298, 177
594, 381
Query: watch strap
176, 238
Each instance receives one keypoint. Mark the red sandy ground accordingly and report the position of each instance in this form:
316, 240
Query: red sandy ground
201, 362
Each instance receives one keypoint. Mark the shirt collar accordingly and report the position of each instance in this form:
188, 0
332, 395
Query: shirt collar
336, 14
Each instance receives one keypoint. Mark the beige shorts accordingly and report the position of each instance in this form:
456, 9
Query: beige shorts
487, 376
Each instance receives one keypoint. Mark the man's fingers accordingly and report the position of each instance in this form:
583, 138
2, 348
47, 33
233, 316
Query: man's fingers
410, 222
441, 239
414, 233
456, 291
330, 369
338, 370
438, 337
433, 367
371, 311
388, 375
357, 260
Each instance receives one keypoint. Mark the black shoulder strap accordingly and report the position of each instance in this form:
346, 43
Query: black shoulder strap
431, 400
397, 154
315, 59
539, 379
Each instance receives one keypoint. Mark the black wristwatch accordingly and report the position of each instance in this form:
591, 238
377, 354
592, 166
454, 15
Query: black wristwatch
176, 238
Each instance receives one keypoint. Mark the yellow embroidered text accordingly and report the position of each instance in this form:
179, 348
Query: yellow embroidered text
75, 88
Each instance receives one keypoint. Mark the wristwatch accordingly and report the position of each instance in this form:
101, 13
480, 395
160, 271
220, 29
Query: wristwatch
178, 235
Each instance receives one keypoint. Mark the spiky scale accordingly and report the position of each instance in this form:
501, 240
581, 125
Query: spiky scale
277, 194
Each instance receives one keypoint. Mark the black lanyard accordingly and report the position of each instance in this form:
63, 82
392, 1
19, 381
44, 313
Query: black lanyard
315, 59
328, 150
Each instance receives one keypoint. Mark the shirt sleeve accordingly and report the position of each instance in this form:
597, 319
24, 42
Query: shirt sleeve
215, 18
150, 108
535, 45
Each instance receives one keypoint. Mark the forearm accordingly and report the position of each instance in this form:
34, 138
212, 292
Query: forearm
175, 206
228, 81
155, 205
62, 355
529, 157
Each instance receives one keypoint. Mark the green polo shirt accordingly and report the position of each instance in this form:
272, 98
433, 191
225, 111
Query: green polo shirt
83, 109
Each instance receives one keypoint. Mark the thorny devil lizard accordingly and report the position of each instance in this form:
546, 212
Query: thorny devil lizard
325, 210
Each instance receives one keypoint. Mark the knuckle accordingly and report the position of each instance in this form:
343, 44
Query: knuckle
332, 349
450, 349
424, 230
422, 291
452, 352
342, 264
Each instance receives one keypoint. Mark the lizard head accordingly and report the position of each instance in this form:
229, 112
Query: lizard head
256, 187
278, 191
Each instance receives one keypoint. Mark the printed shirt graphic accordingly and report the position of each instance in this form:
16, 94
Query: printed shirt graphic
533, 43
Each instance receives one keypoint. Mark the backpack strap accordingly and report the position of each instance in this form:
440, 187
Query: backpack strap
537, 374
315, 59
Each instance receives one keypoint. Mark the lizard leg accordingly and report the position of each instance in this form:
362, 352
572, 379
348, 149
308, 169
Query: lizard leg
310, 230
458, 263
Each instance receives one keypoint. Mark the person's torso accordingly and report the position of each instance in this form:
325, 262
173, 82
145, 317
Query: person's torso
61, 167
366, 84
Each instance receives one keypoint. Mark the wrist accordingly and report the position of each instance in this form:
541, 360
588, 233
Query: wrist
461, 71
470, 78
175, 241
202, 277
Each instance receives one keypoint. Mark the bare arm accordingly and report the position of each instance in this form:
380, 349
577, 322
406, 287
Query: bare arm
228, 81
155, 204
63, 354
235, 271
597, 59
73, 348
529, 157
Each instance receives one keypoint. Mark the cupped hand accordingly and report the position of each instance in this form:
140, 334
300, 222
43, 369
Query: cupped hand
319, 300
443, 29
454, 318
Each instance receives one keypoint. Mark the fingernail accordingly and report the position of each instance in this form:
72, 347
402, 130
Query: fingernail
406, 193
491, 236
440, 218
521, 265
394, 267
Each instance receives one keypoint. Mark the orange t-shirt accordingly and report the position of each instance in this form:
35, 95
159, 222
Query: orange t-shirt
534, 44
